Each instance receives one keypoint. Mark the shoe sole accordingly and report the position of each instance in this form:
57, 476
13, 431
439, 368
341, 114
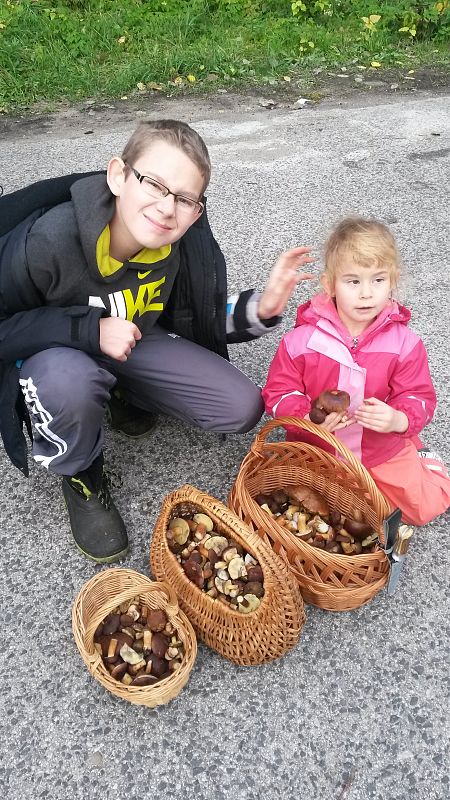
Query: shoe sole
106, 560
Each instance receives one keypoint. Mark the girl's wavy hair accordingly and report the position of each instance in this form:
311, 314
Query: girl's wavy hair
175, 133
369, 242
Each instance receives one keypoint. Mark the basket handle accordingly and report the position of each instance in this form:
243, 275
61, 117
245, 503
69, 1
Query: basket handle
172, 601
364, 477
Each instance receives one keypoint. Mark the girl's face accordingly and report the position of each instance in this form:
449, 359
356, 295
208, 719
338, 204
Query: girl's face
360, 294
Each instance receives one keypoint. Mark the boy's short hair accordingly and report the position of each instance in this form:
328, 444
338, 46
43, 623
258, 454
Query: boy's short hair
176, 133
369, 242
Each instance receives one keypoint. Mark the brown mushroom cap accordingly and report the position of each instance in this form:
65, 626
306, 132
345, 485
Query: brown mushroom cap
310, 499
333, 400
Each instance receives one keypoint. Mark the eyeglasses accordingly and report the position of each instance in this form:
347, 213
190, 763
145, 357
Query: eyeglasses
157, 190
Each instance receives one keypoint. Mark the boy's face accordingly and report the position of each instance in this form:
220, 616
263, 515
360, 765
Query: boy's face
144, 221
360, 294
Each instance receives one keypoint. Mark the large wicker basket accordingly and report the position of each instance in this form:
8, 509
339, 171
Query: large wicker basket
97, 598
329, 581
247, 639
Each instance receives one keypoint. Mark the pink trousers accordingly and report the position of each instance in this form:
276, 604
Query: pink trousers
420, 486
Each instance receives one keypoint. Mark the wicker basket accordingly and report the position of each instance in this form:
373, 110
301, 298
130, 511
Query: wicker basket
97, 598
247, 639
329, 581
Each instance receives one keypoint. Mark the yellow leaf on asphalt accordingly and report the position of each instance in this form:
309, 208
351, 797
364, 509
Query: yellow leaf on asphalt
411, 71
375, 64
191, 78
287, 78
141, 86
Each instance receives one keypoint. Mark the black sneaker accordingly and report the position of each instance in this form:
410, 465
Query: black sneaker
97, 527
128, 419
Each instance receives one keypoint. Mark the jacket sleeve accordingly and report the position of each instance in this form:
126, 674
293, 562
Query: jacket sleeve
28, 332
412, 390
242, 321
284, 393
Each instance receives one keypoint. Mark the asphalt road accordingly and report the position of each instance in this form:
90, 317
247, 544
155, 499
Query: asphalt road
358, 710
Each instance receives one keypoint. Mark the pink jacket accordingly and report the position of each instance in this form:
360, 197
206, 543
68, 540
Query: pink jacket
387, 361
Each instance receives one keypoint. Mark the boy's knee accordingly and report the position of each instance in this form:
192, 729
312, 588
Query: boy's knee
246, 411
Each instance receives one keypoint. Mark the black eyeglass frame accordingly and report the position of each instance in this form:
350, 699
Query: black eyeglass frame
199, 207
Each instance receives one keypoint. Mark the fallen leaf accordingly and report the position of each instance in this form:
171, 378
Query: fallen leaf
394, 85
157, 87
375, 64
266, 103
191, 78
121, 40
141, 86
287, 78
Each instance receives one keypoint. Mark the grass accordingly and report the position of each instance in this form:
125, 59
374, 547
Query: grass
56, 51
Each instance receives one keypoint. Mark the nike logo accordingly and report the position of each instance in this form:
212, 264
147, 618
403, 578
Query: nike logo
142, 275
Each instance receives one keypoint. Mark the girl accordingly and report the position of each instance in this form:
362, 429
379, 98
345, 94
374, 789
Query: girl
354, 337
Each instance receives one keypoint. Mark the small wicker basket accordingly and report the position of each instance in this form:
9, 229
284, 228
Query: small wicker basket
247, 639
97, 598
329, 581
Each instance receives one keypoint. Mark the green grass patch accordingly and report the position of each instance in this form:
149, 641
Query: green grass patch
64, 51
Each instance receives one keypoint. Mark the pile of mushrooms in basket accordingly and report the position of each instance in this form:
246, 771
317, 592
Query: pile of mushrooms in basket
306, 514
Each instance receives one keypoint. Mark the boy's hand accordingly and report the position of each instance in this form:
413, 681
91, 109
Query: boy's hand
118, 337
283, 279
378, 416
335, 421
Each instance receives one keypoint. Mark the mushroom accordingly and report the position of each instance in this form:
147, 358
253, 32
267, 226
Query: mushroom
236, 568
129, 655
249, 603
310, 499
216, 543
203, 519
357, 529
180, 530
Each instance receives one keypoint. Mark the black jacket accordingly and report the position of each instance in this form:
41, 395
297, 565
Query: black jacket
28, 326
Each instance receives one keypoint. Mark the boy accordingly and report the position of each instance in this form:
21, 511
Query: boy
122, 283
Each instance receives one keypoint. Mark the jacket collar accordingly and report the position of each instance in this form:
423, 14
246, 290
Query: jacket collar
322, 307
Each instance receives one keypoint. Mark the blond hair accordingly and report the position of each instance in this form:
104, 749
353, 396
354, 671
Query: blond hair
175, 133
369, 242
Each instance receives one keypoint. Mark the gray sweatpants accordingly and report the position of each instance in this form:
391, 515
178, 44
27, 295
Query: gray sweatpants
66, 392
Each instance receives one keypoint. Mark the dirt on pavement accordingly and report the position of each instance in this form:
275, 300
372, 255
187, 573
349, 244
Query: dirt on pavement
347, 87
